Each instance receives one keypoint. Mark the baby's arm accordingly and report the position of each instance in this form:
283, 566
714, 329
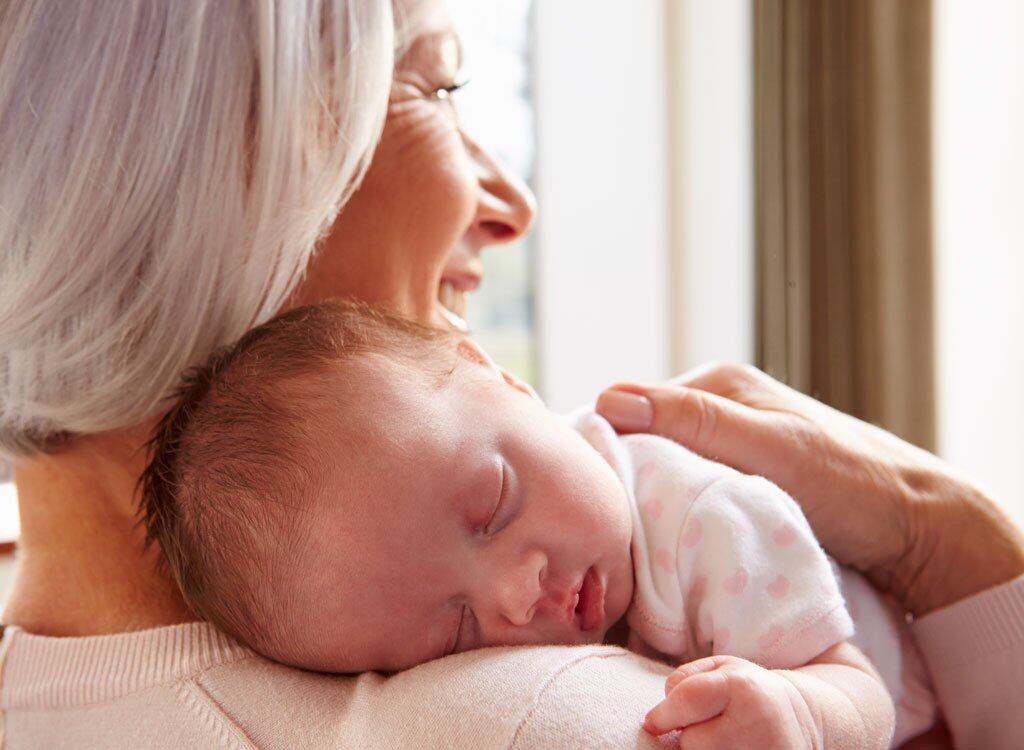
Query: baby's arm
837, 700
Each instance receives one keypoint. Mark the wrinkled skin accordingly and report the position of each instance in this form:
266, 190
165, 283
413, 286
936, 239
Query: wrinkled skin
897, 513
432, 200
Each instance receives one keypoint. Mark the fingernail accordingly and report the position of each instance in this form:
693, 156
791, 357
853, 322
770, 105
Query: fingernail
627, 411
649, 725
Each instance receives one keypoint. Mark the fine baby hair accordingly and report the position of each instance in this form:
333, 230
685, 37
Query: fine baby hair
238, 449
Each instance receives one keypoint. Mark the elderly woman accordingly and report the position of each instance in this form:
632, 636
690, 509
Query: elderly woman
166, 171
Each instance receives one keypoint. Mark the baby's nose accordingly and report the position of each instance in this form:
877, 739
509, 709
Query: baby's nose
522, 590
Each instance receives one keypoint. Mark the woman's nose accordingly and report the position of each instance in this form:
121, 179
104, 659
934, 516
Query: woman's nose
506, 206
520, 589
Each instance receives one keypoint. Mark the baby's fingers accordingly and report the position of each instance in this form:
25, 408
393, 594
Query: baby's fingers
695, 699
693, 668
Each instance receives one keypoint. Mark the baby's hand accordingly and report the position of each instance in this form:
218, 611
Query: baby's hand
725, 701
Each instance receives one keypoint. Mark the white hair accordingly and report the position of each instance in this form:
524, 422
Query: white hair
166, 168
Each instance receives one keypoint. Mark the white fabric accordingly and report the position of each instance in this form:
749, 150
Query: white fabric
726, 563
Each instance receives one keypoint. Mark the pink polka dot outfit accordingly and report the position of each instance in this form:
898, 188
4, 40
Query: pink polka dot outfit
726, 563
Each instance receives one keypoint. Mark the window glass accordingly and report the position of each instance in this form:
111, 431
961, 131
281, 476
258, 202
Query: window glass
979, 160
495, 109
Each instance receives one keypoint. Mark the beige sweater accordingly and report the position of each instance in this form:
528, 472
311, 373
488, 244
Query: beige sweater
189, 686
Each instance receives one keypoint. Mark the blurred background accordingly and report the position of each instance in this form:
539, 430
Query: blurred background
832, 190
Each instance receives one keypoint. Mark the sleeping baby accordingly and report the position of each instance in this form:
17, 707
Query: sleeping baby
344, 490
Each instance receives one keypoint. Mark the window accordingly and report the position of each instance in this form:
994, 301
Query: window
9, 524
633, 128
979, 162
644, 178
496, 109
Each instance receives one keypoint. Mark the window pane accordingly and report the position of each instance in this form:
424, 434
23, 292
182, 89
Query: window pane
496, 110
979, 160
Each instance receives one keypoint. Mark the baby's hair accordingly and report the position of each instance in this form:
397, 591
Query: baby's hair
231, 458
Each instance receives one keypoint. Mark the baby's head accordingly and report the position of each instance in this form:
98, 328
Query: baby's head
345, 490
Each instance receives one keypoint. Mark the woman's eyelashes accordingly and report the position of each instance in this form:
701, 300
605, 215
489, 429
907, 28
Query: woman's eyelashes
446, 93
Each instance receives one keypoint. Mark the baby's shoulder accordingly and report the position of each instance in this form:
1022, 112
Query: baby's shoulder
644, 461
667, 468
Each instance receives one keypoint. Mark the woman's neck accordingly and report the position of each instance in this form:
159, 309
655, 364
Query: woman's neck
82, 565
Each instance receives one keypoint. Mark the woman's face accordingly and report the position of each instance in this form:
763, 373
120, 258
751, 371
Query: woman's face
431, 200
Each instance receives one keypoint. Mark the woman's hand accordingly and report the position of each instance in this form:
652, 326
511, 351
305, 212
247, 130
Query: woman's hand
877, 503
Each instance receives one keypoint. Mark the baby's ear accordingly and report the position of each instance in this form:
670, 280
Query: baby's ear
519, 385
469, 349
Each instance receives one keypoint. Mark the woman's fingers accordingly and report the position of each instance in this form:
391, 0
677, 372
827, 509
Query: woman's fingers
705, 423
720, 378
699, 698
628, 411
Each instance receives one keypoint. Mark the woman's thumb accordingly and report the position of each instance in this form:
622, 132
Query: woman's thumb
705, 423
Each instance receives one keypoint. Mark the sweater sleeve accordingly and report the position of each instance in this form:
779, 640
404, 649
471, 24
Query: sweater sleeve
974, 650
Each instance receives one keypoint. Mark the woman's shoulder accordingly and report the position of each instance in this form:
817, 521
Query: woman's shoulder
191, 685
491, 698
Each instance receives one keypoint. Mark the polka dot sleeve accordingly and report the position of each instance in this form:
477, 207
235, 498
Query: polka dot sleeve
729, 568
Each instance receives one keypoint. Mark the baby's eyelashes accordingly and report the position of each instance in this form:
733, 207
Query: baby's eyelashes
489, 527
489, 514
452, 644
510, 501
467, 635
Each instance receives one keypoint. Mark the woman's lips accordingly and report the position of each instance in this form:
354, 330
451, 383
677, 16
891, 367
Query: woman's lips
590, 604
463, 281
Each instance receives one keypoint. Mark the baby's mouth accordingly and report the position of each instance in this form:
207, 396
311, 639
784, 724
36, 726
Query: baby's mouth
589, 607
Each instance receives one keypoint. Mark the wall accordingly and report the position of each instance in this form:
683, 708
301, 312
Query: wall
979, 203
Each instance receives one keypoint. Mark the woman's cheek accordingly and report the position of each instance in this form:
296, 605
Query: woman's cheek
446, 196
434, 173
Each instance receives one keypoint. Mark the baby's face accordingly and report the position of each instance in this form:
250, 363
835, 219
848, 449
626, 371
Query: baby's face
460, 513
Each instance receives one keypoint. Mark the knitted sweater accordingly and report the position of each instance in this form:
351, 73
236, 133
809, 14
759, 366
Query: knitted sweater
189, 686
